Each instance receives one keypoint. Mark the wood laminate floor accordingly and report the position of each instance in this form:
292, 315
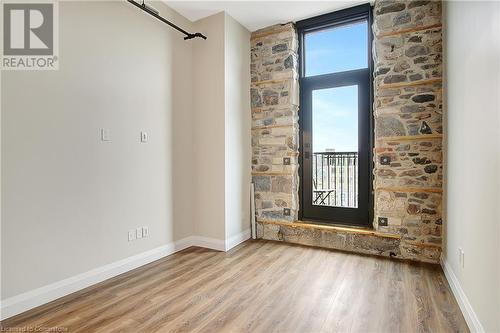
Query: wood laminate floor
260, 286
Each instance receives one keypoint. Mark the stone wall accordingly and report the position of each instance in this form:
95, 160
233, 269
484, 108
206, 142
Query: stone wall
408, 170
338, 238
275, 100
408, 135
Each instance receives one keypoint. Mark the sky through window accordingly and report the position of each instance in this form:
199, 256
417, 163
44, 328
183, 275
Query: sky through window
335, 111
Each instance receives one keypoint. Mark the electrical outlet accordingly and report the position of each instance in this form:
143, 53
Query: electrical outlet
385, 160
138, 233
145, 232
383, 221
131, 235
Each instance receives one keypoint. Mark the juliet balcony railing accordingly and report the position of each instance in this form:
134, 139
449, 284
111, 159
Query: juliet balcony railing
335, 179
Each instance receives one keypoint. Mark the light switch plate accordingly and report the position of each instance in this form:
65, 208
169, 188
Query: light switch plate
145, 232
105, 134
144, 136
138, 233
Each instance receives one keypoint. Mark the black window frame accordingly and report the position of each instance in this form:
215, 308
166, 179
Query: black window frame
338, 18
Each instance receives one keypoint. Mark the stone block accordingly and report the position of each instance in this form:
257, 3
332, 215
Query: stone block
417, 163
281, 184
409, 57
262, 183
390, 16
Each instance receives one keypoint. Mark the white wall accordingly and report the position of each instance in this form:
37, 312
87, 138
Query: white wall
472, 56
221, 76
68, 199
208, 126
238, 127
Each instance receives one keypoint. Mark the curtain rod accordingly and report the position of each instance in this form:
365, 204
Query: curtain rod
151, 11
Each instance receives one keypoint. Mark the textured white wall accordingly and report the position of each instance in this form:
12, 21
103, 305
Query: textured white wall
472, 55
68, 199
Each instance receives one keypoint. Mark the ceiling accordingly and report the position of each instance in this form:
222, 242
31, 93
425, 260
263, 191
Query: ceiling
255, 15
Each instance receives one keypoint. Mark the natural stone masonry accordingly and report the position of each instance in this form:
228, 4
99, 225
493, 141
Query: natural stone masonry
408, 171
275, 100
409, 57
397, 16
409, 164
408, 175
332, 238
408, 110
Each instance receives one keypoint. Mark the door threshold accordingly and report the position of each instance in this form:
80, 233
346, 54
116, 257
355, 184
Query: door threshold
335, 224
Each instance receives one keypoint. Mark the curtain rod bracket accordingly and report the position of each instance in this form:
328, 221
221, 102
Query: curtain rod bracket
151, 11
197, 34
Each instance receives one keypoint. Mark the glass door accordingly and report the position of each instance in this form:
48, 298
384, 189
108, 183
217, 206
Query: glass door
336, 148
335, 119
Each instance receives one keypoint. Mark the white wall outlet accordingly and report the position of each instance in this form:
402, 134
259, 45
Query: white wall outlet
138, 233
131, 235
105, 134
144, 136
145, 232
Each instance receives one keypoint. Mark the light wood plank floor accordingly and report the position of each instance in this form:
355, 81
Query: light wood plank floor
260, 286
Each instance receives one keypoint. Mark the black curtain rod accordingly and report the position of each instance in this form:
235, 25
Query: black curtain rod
147, 9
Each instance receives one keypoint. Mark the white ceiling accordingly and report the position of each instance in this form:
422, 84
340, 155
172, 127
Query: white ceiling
255, 15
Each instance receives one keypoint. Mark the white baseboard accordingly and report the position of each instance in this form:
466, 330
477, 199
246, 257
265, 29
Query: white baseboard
31, 299
218, 244
209, 243
467, 310
238, 239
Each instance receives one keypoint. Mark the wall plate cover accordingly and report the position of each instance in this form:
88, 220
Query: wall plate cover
144, 136
105, 134
385, 160
383, 222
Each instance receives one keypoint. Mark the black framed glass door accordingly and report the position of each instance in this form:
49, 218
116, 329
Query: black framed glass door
335, 118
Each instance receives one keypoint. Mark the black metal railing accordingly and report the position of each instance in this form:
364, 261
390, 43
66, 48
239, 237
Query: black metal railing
335, 179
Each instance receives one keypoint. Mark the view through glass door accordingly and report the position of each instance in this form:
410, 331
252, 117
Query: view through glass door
335, 146
335, 118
